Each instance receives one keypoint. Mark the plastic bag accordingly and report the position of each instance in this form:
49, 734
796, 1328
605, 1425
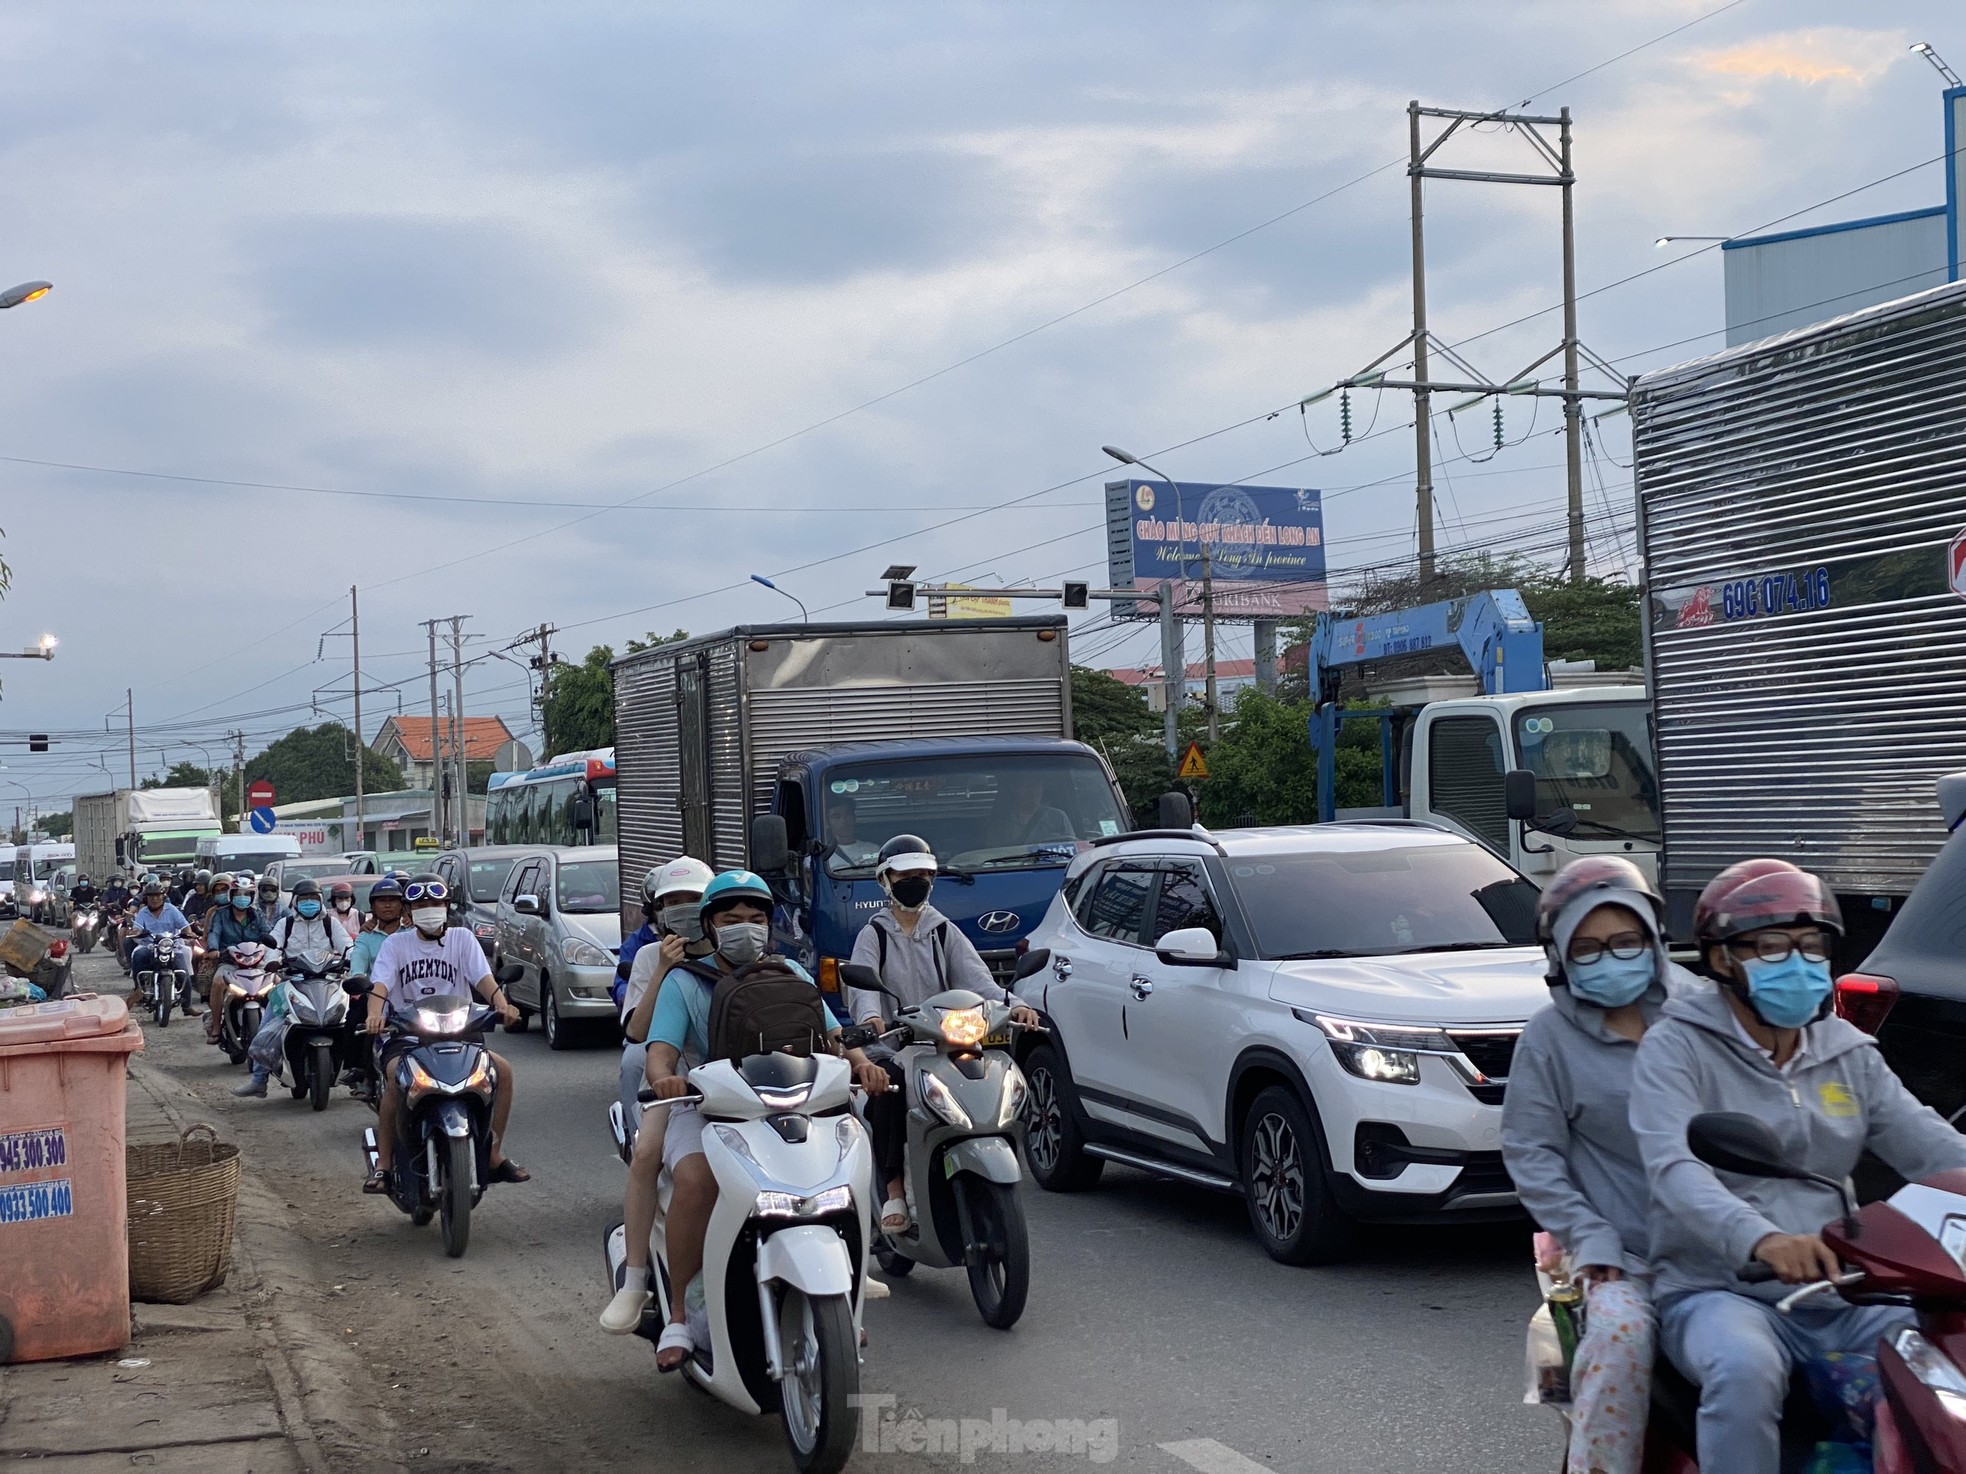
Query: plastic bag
267, 1049
1546, 1372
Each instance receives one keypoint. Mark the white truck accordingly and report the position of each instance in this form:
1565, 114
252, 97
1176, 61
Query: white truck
138, 829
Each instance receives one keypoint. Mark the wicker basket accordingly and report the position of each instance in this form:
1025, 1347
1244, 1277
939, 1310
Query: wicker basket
182, 1197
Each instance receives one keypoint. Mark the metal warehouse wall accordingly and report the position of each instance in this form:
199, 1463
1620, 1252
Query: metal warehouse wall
1778, 283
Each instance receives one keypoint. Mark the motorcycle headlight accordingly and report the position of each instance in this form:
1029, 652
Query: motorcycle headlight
578, 952
1015, 1094
791, 1205
940, 1099
964, 1026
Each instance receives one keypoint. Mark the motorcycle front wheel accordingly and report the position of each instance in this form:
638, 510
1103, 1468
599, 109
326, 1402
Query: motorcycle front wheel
320, 1076
822, 1376
999, 1278
163, 1011
894, 1264
455, 1193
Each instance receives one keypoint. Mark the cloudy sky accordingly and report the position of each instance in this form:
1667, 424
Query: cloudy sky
582, 313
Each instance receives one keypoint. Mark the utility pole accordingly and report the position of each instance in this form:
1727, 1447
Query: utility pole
130, 704
542, 663
1208, 638
239, 771
461, 802
1423, 456
436, 772
355, 625
1173, 667
1573, 408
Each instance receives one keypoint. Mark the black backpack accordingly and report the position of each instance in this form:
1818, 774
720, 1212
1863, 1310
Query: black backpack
766, 1008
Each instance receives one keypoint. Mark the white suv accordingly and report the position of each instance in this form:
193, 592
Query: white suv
1320, 1018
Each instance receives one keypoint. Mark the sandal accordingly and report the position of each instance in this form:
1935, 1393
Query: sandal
894, 1216
509, 1171
376, 1182
675, 1337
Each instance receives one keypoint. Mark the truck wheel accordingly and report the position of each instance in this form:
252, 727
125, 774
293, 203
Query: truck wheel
1290, 1204
1054, 1145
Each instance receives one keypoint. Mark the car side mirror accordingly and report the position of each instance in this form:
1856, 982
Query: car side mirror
1193, 946
1519, 794
1730, 1141
1032, 962
771, 845
528, 906
510, 973
1175, 811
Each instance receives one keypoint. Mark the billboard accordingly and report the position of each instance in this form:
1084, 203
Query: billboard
1265, 546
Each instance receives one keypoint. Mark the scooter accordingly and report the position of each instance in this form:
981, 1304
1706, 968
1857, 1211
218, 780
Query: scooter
82, 928
248, 990
1904, 1251
784, 1256
162, 984
312, 1040
965, 1098
442, 1159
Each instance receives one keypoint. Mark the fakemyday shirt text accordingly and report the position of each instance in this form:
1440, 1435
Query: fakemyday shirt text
411, 968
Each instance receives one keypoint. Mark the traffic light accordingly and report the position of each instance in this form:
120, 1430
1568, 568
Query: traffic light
1077, 595
901, 595
37, 741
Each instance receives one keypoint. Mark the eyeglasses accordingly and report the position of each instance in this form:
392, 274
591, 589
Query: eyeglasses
1775, 946
1626, 945
426, 890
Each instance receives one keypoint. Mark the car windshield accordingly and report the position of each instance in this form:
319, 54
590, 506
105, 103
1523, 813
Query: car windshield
319, 869
256, 861
1371, 903
1003, 812
1596, 760
590, 886
488, 878
6, 869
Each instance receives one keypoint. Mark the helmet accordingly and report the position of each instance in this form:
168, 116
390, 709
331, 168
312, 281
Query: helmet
903, 853
1757, 893
243, 881
681, 875
185, 875
153, 887
401, 877
202, 877
307, 885
1594, 873
735, 885
269, 885
388, 888
221, 881
339, 889
430, 877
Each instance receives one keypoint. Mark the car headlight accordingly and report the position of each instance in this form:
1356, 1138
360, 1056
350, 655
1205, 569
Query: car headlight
1016, 1094
578, 952
791, 1205
1388, 1054
943, 1102
964, 1026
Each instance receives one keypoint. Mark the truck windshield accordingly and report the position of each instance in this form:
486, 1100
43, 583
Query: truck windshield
1595, 760
1368, 903
977, 812
165, 848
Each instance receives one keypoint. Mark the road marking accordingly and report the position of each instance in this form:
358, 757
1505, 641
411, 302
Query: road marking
1211, 1457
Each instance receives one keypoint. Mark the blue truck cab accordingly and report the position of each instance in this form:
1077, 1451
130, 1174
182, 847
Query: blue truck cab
1004, 816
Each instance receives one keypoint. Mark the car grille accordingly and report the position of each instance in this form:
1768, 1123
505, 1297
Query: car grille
1492, 1054
1489, 1094
1483, 1174
1002, 962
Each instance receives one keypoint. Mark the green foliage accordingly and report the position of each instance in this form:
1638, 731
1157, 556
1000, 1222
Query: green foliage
477, 775
1597, 619
578, 700
319, 762
58, 826
1114, 717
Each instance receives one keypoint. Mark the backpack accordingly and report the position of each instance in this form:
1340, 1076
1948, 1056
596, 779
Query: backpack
766, 1008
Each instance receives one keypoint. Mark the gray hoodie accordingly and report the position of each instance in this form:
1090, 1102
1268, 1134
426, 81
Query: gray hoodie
1837, 1098
1566, 1131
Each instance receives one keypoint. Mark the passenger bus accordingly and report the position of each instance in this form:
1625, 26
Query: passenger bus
568, 801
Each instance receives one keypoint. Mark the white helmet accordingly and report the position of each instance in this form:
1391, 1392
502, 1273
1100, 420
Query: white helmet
681, 875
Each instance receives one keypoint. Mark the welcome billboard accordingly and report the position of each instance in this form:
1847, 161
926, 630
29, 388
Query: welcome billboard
1265, 546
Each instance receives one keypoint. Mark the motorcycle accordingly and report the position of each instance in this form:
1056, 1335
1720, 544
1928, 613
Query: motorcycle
162, 984
442, 1160
784, 1255
966, 1100
82, 928
248, 990
313, 1039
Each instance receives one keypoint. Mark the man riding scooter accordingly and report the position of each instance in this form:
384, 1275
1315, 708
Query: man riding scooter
157, 917
1762, 1043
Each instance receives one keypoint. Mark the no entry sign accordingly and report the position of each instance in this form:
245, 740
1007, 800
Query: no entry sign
259, 794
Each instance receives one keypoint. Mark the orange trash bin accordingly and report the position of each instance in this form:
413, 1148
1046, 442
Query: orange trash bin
64, 1254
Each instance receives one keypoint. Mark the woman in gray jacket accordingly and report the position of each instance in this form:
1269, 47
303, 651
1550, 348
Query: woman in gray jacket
1568, 1142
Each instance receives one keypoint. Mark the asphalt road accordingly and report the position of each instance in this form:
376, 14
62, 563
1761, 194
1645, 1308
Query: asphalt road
1155, 1323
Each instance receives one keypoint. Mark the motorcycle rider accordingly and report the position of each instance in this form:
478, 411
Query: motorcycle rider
736, 914
307, 930
199, 901
1568, 1143
672, 898
918, 953
268, 904
238, 923
434, 959
1763, 1042
83, 892
386, 918
152, 919
341, 901
181, 885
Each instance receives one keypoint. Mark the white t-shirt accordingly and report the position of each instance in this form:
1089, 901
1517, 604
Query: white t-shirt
411, 967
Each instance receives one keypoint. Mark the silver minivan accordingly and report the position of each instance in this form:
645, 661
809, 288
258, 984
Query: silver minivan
559, 919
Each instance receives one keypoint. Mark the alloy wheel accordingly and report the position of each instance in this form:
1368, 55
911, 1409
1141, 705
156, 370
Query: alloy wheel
1277, 1176
1044, 1141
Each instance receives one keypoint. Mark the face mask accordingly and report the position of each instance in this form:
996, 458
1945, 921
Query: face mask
308, 909
1612, 982
343, 903
430, 919
242, 902
685, 921
742, 941
910, 891
1787, 994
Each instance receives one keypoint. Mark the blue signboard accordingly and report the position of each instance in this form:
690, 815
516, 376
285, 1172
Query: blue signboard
263, 821
1264, 545
34, 1201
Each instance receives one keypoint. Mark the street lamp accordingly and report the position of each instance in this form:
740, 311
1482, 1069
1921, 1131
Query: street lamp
760, 578
27, 291
1667, 240
1126, 458
41, 649
1924, 49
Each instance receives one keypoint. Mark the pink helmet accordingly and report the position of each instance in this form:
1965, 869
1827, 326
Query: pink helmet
1593, 873
1757, 893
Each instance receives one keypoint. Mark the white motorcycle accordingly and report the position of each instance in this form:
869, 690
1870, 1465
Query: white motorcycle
784, 1258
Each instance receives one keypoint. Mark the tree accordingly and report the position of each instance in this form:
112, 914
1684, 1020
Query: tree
319, 762
1114, 717
58, 826
578, 700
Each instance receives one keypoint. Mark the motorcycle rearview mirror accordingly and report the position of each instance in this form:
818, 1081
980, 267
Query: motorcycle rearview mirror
1034, 961
510, 972
355, 986
1732, 1142
857, 975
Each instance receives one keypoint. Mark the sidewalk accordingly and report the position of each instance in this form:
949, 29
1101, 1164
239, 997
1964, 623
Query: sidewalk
202, 1387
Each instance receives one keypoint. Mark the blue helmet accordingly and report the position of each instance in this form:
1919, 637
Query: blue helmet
735, 885
386, 888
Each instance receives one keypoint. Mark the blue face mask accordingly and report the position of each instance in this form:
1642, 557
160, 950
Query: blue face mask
243, 902
1612, 982
308, 909
1787, 994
